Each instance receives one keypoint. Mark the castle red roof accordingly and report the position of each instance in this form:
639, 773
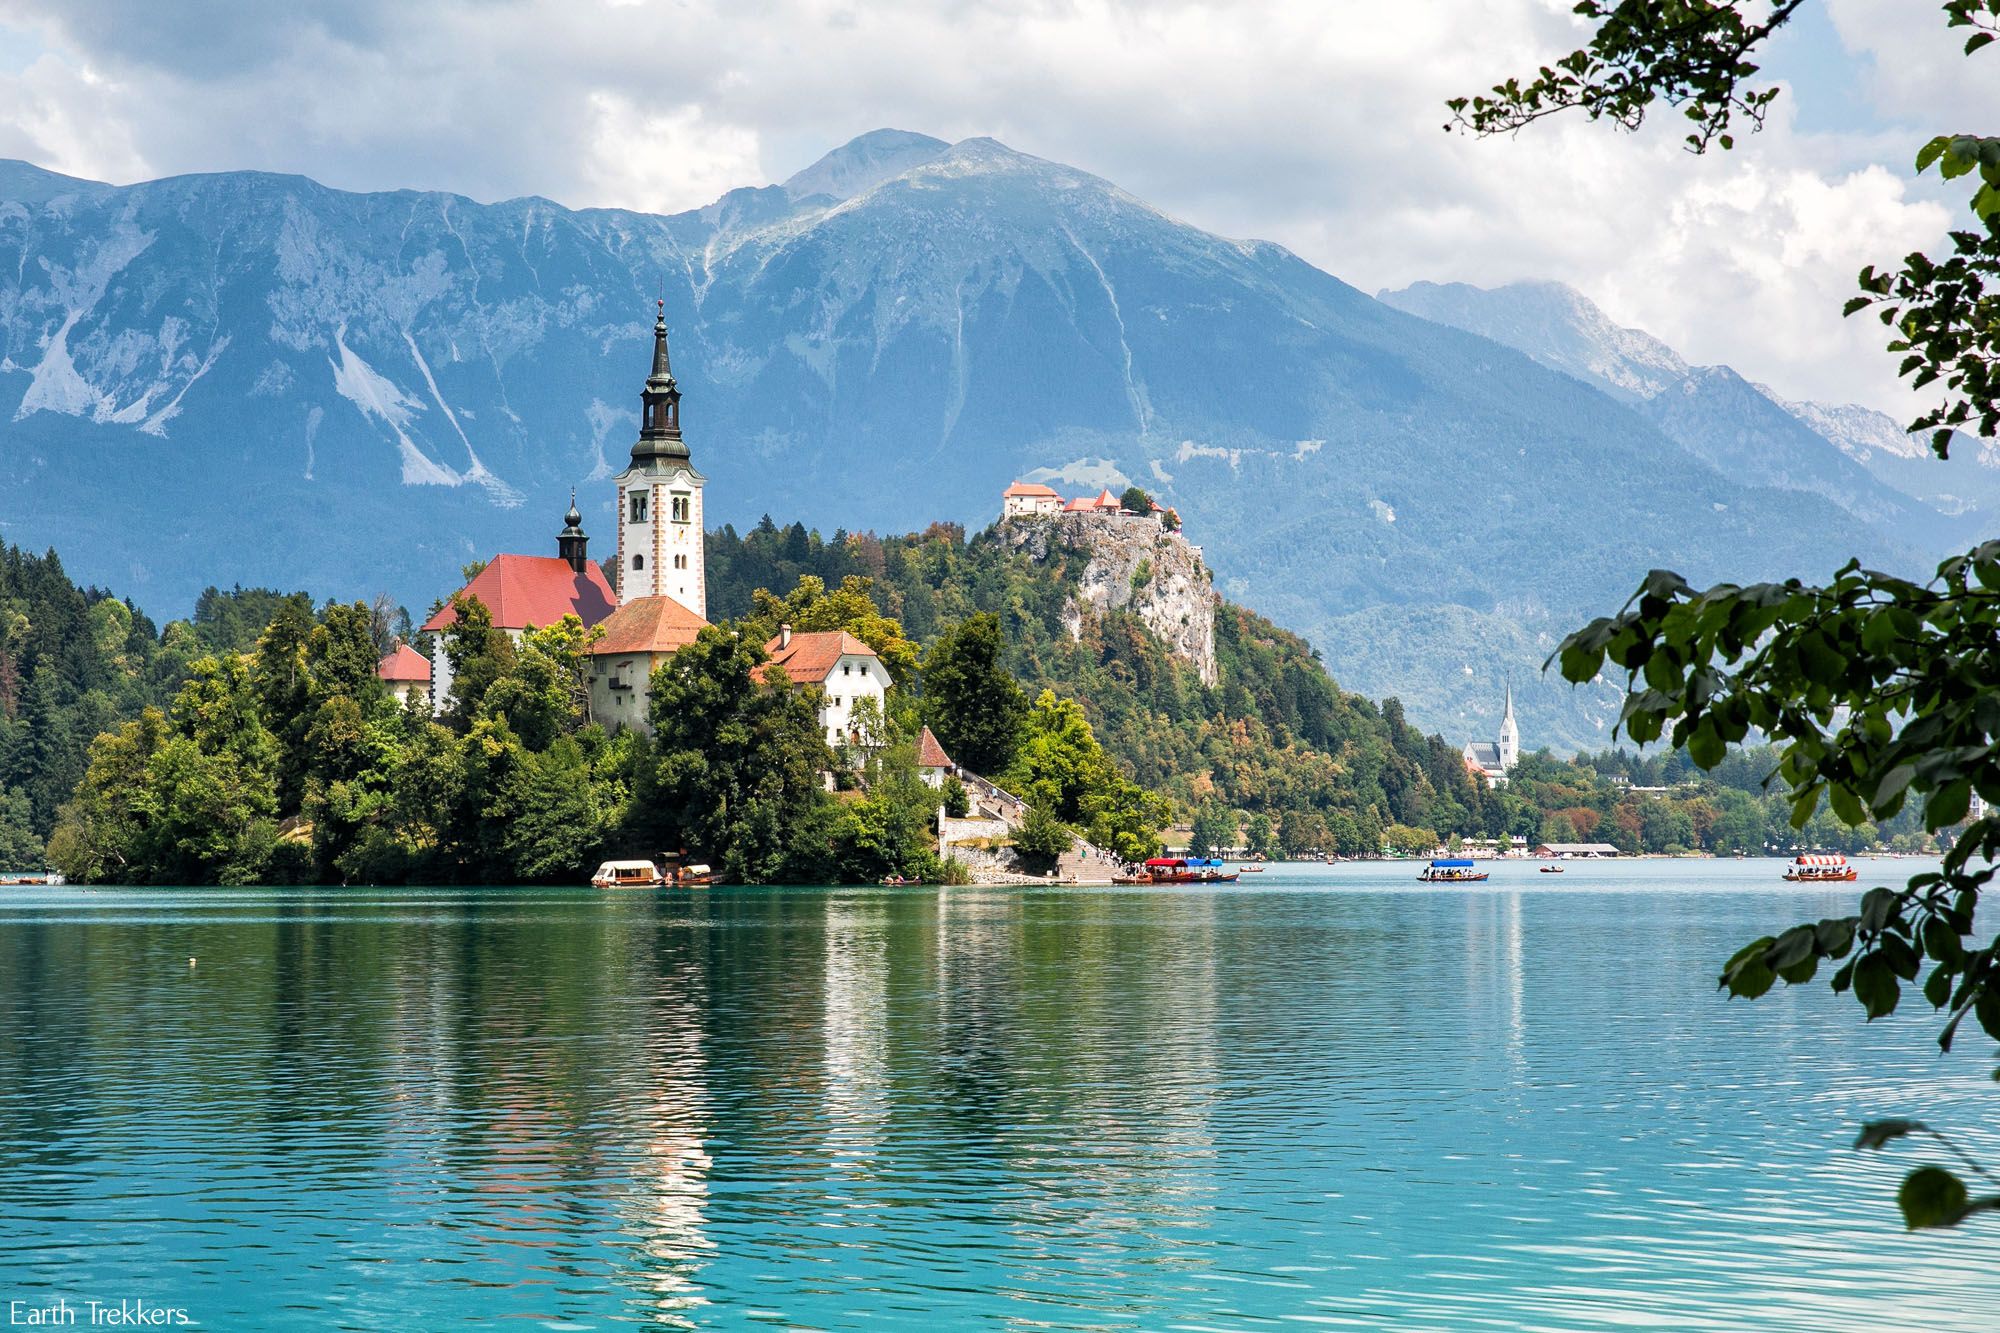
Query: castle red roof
405, 664
655, 624
1023, 489
810, 658
930, 754
539, 590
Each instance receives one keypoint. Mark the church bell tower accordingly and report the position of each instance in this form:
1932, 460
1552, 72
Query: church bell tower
1510, 733
659, 497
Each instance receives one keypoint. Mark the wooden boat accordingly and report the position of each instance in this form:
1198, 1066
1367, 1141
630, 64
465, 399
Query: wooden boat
628, 875
652, 875
1821, 868
1551, 870
896, 882
1177, 870
1451, 871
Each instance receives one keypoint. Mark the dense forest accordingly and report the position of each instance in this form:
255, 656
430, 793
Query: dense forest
252, 741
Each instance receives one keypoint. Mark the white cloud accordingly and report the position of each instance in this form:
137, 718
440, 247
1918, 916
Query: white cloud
1315, 124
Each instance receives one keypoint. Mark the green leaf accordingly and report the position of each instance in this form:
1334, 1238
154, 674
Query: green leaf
1793, 946
1878, 1132
1948, 804
1942, 942
1892, 784
1877, 906
1932, 1197
1836, 936
1705, 747
1746, 974
1875, 986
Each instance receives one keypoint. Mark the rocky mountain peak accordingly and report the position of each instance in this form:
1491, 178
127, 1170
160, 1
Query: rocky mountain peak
862, 163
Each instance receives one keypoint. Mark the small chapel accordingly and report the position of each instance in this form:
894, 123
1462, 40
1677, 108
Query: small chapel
1493, 760
655, 599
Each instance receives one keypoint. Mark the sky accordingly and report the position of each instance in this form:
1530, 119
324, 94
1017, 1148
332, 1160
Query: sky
1313, 123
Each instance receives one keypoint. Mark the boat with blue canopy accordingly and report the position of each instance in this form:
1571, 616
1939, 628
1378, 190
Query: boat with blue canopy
1453, 871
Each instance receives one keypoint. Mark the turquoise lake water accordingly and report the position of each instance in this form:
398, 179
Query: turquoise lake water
1329, 1097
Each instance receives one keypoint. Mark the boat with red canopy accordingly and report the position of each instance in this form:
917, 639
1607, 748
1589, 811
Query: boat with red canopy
1821, 868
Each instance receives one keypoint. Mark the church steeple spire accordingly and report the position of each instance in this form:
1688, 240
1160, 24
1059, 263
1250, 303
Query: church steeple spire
571, 544
660, 403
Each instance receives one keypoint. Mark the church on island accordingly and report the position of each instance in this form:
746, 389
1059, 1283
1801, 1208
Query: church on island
1493, 760
653, 600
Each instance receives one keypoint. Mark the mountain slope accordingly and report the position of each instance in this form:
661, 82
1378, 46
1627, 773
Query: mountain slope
1859, 459
252, 377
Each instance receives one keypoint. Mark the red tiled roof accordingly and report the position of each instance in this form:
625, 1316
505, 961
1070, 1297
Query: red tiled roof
524, 590
654, 624
1029, 488
1107, 500
404, 664
1080, 505
809, 658
930, 754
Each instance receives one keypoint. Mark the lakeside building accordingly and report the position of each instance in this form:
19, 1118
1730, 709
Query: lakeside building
407, 673
934, 766
655, 601
1493, 760
1583, 849
636, 639
845, 669
523, 592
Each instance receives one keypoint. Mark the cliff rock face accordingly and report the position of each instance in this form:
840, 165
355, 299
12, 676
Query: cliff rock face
1135, 565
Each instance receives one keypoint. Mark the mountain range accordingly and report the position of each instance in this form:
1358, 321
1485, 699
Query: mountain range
245, 377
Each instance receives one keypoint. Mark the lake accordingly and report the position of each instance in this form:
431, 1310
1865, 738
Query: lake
1329, 1097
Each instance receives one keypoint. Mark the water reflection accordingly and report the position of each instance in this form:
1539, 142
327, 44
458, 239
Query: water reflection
1329, 1098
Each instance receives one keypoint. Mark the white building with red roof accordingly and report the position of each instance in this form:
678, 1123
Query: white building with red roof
1025, 499
407, 673
636, 639
523, 592
846, 671
933, 764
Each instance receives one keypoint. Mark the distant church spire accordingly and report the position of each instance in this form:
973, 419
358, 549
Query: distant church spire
1510, 732
571, 544
660, 403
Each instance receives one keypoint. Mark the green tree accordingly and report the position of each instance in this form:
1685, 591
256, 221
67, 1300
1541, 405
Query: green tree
1214, 830
811, 608
1262, 837
1303, 832
1875, 689
20, 849
971, 700
480, 656
1410, 841
735, 769
956, 801
284, 686
542, 688
1042, 836
1135, 501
